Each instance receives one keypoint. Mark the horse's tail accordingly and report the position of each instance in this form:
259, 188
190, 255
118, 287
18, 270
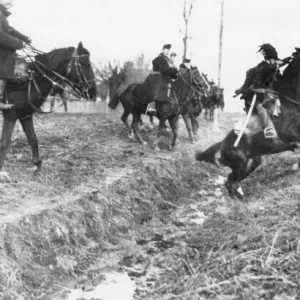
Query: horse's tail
113, 102
209, 155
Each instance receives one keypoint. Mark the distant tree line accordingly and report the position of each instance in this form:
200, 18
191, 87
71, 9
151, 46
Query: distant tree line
131, 71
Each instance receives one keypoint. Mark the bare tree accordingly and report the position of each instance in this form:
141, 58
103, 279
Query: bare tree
187, 11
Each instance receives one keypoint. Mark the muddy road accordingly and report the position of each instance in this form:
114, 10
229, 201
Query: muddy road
104, 207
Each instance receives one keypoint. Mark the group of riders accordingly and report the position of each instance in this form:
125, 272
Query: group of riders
258, 78
164, 64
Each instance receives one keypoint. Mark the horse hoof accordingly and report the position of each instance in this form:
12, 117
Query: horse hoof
131, 136
156, 148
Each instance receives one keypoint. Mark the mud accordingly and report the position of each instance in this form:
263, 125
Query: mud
98, 204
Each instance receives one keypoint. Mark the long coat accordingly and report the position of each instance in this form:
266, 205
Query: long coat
10, 41
161, 64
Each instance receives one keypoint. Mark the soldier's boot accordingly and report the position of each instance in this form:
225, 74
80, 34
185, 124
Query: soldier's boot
269, 129
3, 105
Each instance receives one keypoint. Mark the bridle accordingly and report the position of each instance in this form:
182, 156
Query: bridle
195, 91
79, 89
84, 83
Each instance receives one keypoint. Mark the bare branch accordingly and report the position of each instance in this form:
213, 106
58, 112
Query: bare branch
184, 10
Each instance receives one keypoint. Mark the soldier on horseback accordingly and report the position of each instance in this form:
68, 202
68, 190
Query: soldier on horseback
185, 65
164, 66
260, 78
10, 41
172, 60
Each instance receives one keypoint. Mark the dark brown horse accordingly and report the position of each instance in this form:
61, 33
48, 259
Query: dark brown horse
136, 97
213, 101
246, 157
71, 63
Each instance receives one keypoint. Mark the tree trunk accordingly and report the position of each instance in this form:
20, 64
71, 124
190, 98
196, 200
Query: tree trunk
216, 112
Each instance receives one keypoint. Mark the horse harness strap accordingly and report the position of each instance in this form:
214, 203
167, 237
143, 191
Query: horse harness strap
37, 110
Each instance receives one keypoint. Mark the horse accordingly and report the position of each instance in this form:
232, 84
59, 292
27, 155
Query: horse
135, 99
73, 63
246, 156
213, 101
191, 107
126, 100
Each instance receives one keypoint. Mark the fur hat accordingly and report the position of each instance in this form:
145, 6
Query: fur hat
173, 54
268, 50
167, 46
4, 6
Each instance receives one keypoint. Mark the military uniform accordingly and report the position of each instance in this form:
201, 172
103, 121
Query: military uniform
162, 64
262, 76
10, 41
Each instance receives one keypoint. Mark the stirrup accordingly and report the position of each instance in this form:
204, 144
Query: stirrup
270, 133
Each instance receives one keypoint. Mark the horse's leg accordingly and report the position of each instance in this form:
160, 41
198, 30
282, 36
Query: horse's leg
151, 122
211, 113
65, 104
173, 121
136, 118
141, 123
9, 122
52, 102
187, 122
160, 128
244, 166
124, 118
195, 125
27, 124
206, 114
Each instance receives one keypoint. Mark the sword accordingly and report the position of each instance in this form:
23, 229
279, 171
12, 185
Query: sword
246, 122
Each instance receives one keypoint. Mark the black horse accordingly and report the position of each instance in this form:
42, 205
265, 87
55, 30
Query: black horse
213, 101
246, 157
136, 97
27, 98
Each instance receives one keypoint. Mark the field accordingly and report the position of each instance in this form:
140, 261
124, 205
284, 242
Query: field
103, 203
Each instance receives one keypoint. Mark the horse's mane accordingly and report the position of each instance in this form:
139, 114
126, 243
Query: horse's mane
52, 58
288, 83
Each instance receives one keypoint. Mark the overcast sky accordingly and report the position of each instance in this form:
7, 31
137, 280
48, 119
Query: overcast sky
123, 29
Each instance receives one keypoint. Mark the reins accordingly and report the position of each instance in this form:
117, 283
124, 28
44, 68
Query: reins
73, 85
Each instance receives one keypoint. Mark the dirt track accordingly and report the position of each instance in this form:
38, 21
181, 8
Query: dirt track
78, 151
104, 203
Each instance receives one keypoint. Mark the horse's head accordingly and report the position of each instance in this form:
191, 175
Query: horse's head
115, 81
80, 71
289, 83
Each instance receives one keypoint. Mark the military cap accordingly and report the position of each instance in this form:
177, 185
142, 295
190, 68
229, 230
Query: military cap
167, 46
186, 60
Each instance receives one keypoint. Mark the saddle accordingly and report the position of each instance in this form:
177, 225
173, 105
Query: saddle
21, 71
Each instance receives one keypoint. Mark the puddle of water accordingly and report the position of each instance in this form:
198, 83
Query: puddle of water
115, 286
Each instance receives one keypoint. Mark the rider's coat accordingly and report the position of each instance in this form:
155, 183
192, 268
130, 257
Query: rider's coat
161, 64
10, 41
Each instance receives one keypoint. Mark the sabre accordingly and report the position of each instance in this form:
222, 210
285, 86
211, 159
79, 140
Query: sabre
246, 121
